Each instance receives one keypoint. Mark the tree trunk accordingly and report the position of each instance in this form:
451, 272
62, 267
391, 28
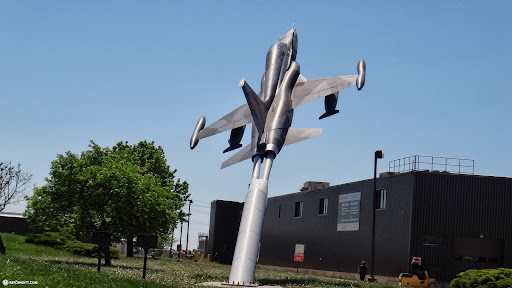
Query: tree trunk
106, 248
129, 246
106, 252
2, 247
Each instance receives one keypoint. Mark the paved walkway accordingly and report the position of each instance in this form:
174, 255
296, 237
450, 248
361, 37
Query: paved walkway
331, 274
340, 275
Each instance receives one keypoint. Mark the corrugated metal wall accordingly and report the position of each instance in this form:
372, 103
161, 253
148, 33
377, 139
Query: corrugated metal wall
426, 213
225, 219
329, 249
449, 206
17, 225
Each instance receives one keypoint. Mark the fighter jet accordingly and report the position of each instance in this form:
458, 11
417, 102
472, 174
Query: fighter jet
270, 111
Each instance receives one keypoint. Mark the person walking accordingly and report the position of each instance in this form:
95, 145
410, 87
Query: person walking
362, 271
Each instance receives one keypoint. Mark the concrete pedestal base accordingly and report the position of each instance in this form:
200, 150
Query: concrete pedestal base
227, 285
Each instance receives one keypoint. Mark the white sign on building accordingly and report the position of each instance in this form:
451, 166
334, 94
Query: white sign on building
349, 211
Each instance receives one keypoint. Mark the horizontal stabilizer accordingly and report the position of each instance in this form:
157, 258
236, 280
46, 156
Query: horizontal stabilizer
239, 156
300, 134
294, 135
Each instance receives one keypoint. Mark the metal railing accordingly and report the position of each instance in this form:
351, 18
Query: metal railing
432, 163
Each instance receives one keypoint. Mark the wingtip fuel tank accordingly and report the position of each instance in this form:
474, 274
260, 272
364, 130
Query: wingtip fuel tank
361, 71
195, 136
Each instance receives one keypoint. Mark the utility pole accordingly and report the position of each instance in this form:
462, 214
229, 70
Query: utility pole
188, 225
180, 248
378, 155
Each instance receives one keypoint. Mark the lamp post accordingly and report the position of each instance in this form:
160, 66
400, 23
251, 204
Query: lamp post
188, 225
378, 155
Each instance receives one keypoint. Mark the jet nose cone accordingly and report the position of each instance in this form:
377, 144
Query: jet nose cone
288, 36
291, 40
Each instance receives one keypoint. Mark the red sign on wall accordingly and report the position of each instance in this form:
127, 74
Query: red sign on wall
416, 260
299, 253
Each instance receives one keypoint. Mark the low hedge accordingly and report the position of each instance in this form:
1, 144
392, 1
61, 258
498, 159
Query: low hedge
489, 278
50, 239
89, 250
57, 240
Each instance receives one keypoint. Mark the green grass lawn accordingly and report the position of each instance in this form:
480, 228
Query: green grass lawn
57, 268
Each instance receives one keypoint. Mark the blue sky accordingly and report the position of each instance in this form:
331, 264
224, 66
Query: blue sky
438, 83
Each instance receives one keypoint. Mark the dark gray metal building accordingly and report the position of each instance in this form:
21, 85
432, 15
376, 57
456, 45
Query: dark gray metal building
453, 222
225, 219
12, 222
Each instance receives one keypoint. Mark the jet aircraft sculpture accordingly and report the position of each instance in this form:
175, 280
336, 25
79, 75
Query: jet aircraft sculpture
283, 88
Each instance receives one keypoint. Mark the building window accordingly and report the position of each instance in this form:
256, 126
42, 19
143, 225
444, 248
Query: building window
382, 195
279, 213
322, 208
298, 209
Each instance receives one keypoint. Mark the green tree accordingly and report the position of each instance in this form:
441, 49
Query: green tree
125, 190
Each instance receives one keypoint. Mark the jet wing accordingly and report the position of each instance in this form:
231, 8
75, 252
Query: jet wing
306, 90
241, 155
294, 135
239, 117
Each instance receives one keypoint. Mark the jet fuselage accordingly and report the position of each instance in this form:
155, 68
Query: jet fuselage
270, 111
281, 73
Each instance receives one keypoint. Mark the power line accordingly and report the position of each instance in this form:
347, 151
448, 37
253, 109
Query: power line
201, 201
195, 205
199, 223
200, 212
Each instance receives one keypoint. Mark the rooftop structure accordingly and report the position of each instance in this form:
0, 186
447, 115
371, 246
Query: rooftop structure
432, 164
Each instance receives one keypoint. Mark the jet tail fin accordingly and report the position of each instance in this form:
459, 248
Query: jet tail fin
258, 108
294, 135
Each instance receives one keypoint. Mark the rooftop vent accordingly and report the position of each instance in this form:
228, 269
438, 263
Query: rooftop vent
313, 185
12, 214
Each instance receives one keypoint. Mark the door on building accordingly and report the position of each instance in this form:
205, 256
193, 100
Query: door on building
477, 253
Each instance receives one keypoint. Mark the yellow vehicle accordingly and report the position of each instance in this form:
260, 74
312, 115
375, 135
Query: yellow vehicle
412, 280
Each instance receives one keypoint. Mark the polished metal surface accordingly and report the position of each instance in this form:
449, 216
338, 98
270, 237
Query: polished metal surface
361, 71
249, 234
293, 136
270, 111
195, 136
280, 114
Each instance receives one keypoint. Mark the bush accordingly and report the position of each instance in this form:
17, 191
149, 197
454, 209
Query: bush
51, 239
89, 250
59, 241
491, 278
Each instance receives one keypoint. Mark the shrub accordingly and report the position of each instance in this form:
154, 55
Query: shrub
59, 241
51, 239
491, 278
89, 250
